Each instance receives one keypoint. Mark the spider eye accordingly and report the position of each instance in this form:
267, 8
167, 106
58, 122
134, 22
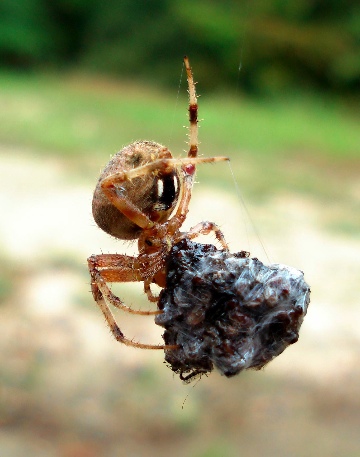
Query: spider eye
148, 242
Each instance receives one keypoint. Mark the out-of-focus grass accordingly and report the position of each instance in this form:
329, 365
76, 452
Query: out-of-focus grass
77, 115
292, 123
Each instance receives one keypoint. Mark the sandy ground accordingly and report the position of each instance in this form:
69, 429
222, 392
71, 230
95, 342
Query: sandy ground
46, 234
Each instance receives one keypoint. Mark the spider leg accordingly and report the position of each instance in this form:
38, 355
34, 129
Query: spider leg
205, 228
157, 166
189, 169
193, 112
115, 268
188, 165
103, 295
151, 297
111, 185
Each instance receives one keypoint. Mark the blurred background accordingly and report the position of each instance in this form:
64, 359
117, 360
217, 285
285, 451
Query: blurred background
279, 85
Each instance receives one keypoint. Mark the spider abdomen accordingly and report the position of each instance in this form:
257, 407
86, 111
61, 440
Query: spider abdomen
154, 194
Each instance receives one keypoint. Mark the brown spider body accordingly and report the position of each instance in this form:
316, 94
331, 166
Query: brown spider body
155, 194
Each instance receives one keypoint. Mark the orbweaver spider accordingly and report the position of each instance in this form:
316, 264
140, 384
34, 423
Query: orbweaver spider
217, 308
144, 193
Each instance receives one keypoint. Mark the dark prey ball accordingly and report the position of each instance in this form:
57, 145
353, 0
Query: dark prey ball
227, 310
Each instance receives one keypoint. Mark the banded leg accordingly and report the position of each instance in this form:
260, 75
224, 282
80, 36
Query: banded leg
188, 166
193, 111
103, 267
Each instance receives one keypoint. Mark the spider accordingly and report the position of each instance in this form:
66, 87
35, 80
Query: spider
144, 193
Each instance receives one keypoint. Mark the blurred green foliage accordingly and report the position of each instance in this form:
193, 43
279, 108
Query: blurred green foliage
281, 44
300, 144
84, 116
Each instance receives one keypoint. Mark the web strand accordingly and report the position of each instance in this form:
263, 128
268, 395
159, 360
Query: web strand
176, 104
247, 214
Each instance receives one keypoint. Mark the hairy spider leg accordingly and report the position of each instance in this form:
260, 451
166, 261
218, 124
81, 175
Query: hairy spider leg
193, 111
115, 268
205, 228
104, 268
147, 289
189, 167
